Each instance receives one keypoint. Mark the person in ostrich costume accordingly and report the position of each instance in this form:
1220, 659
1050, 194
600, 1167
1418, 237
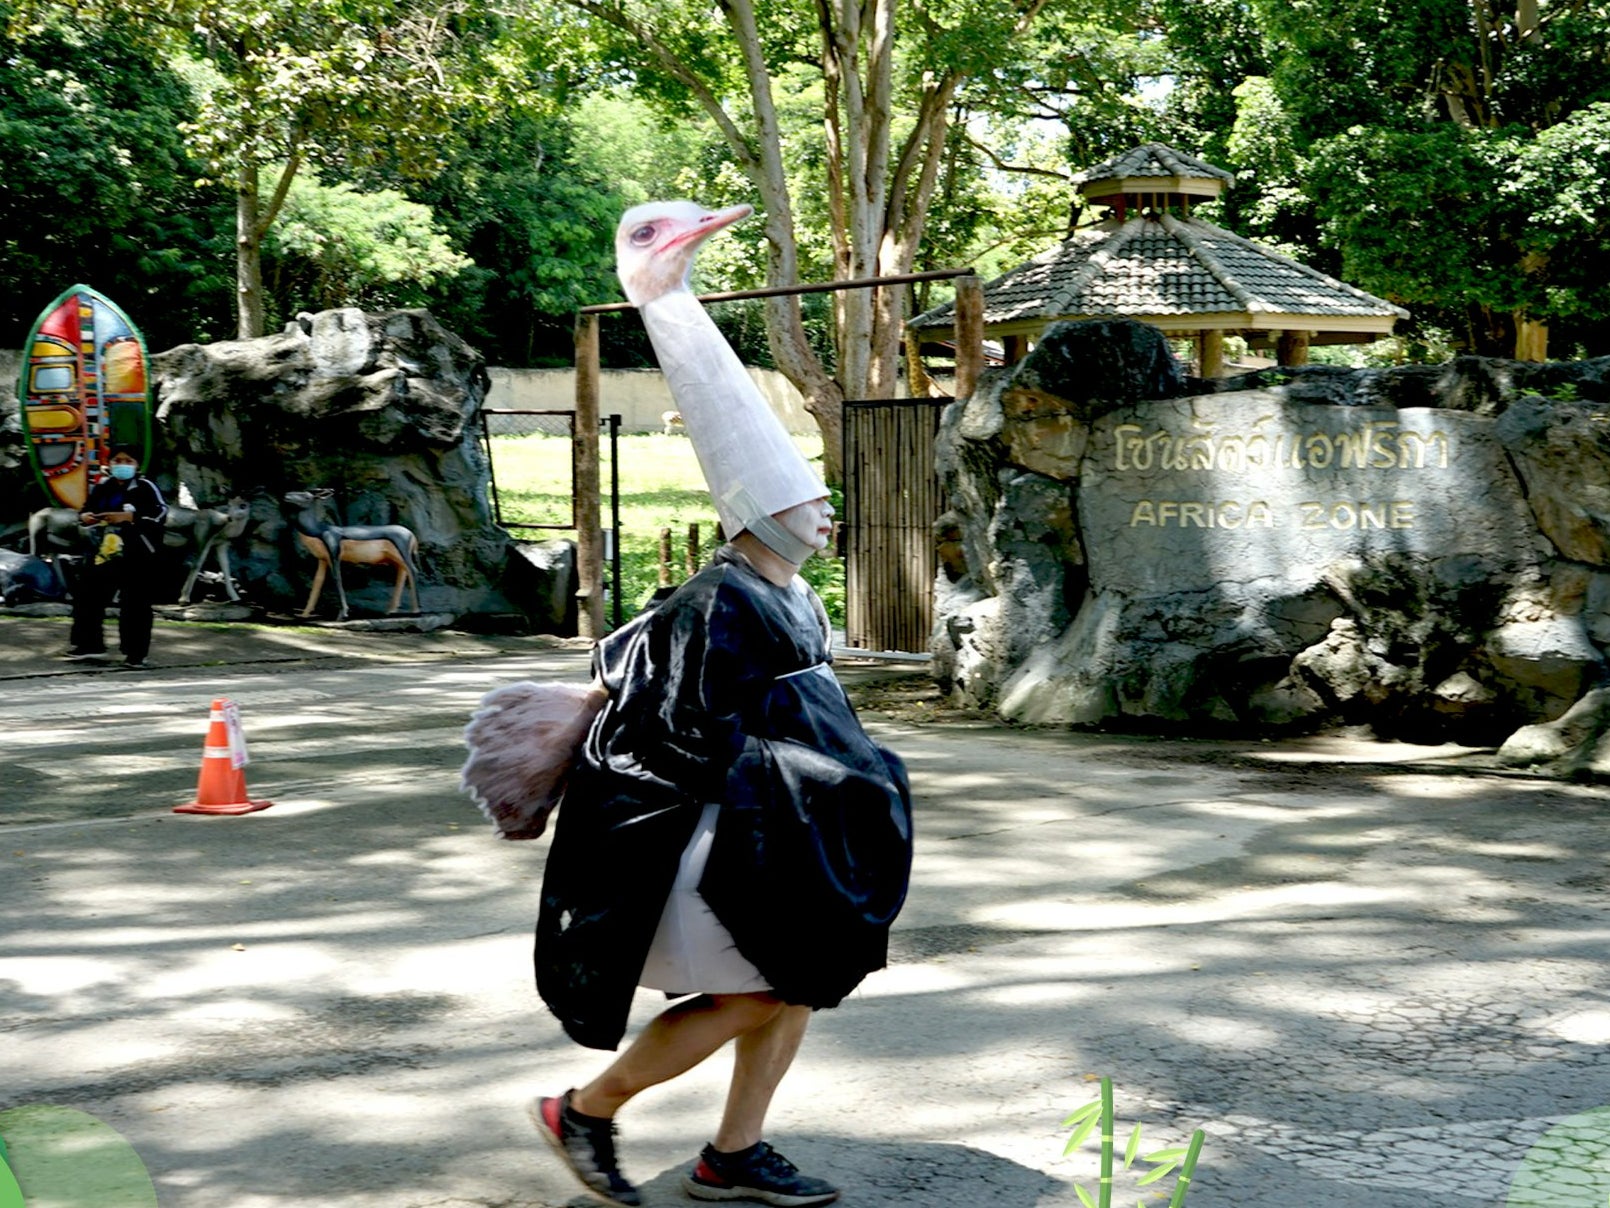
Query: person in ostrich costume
729, 834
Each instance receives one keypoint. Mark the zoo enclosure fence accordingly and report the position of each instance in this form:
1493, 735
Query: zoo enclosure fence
892, 497
898, 568
505, 421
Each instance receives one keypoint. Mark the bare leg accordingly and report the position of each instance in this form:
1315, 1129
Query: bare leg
676, 1041
761, 1057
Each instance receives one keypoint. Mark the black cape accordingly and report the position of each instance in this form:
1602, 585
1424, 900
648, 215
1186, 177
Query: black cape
723, 694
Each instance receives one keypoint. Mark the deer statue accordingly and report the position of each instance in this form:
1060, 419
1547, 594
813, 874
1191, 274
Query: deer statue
54, 529
205, 530
361, 544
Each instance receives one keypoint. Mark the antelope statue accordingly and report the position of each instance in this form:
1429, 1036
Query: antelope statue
54, 529
361, 544
206, 530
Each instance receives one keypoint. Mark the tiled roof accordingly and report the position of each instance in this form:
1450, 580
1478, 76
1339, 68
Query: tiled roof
1162, 266
1151, 159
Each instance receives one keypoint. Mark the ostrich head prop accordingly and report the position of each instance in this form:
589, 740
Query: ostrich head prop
752, 466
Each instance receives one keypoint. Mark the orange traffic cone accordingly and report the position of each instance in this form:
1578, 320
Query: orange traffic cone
222, 789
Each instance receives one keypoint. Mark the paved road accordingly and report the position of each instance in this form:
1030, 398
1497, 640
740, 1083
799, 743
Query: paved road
1374, 975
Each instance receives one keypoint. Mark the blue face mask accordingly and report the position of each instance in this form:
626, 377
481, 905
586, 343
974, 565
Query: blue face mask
122, 472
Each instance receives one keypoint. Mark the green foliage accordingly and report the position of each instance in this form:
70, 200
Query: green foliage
1412, 213
1454, 169
97, 187
538, 219
1458, 169
1561, 181
344, 85
335, 246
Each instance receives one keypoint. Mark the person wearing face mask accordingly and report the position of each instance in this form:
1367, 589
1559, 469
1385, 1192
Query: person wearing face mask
124, 514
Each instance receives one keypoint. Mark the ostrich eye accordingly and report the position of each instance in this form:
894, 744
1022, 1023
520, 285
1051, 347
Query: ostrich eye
643, 235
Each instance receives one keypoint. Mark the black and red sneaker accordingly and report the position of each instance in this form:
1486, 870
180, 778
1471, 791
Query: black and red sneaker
757, 1173
586, 1144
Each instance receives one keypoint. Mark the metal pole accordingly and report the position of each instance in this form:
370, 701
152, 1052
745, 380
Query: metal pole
491, 469
615, 513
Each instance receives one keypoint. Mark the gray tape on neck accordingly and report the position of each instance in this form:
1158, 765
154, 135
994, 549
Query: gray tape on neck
765, 528
780, 541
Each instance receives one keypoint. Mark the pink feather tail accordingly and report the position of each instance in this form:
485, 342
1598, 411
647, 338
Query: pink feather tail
523, 740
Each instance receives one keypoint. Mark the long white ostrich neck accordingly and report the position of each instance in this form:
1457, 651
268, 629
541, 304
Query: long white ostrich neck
752, 465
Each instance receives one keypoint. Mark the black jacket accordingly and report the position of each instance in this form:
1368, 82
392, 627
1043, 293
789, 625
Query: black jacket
143, 538
723, 694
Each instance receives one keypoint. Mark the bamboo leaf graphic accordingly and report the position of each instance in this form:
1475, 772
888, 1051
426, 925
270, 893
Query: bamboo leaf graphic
1166, 1155
1089, 1109
1151, 1176
1085, 1198
1131, 1149
1080, 1133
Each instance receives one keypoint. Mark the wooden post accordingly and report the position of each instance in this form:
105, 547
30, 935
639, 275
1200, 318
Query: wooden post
969, 334
665, 557
1017, 347
584, 457
693, 550
1292, 348
1211, 355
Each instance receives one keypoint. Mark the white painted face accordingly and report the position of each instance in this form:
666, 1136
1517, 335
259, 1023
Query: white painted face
811, 522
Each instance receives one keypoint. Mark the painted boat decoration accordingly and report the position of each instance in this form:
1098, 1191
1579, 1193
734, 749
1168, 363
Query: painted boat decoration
84, 388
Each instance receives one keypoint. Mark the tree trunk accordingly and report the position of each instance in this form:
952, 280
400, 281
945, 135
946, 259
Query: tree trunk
248, 256
1531, 338
1211, 357
877, 196
828, 408
1292, 348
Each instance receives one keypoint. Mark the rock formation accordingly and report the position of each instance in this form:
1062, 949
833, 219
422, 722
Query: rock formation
381, 408
1425, 550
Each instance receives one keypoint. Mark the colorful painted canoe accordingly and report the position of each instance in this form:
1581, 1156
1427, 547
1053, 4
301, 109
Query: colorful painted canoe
84, 388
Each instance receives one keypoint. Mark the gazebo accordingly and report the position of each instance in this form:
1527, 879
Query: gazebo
1150, 259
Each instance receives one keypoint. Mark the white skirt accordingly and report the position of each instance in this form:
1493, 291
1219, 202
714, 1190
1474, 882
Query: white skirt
692, 952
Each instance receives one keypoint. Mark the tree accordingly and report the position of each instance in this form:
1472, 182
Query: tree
885, 121
522, 196
337, 84
1451, 149
334, 246
97, 187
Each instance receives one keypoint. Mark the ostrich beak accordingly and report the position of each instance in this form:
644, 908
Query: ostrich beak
708, 225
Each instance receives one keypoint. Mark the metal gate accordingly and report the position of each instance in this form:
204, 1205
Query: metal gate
502, 421
892, 497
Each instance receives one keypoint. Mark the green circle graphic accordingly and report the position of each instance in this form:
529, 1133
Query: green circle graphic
1569, 1167
10, 1193
69, 1159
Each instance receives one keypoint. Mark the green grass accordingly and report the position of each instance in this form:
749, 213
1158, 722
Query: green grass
661, 487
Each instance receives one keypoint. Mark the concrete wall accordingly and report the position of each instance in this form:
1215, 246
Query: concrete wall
638, 396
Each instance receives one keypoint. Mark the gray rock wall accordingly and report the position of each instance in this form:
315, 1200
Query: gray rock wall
382, 408
1424, 550
378, 407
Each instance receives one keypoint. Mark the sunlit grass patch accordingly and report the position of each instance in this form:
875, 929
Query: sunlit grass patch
661, 487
